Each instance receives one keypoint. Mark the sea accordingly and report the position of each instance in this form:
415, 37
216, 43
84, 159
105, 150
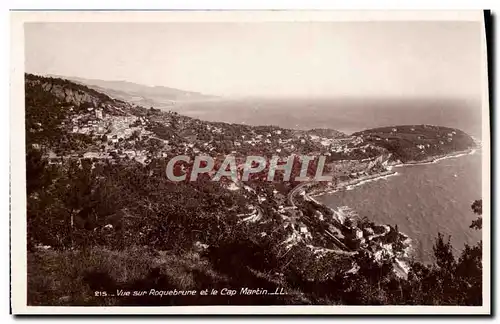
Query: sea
422, 200
347, 115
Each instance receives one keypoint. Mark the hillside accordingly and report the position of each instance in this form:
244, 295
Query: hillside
97, 191
147, 96
418, 142
80, 111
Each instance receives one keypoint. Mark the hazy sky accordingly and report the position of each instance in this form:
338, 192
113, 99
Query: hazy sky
335, 59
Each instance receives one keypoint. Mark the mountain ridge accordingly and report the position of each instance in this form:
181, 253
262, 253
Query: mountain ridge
140, 94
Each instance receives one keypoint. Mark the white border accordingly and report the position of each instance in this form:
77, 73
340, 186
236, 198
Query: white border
247, 16
18, 202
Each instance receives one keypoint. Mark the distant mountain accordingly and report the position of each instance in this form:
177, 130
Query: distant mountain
89, 121
139, 94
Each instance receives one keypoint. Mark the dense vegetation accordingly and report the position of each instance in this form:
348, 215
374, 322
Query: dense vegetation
418, 142
121, 225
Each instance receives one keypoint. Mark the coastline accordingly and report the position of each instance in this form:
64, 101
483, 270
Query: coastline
352, 183
437, 158
311, 194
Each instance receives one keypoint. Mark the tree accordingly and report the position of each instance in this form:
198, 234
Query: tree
477, 208
443, 251
449, 281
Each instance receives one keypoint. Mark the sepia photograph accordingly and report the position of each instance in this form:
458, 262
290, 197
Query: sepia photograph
250, 162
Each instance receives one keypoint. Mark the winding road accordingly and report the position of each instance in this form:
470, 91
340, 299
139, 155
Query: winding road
254, 216
297, 189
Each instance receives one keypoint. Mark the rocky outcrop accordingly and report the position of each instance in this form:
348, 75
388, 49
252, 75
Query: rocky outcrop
78, 95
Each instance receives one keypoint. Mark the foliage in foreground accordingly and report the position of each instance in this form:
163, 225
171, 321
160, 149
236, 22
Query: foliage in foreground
72, 277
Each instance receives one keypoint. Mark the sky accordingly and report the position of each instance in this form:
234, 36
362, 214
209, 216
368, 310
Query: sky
282, 59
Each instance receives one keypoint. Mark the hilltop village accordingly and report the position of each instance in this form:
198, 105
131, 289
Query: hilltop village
93, 127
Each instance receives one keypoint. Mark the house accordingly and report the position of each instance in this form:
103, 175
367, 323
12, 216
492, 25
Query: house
369, 231
130, 153
90, 155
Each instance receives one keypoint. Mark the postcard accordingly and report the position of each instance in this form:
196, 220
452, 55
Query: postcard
250, 162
